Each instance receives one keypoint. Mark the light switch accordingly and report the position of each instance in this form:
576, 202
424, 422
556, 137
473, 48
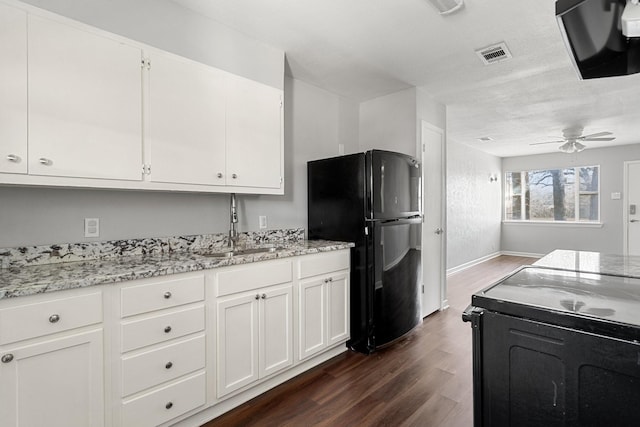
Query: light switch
615, 196
262, 220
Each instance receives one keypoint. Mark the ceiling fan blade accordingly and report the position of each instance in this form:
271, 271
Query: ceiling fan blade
595, 135
600, 139
548, 142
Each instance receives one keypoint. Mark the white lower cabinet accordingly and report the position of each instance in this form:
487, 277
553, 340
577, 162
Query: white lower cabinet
254, 336
161, 344
323, 301
52, 375
172, 347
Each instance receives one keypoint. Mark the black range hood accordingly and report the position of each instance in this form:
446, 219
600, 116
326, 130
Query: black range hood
592, 31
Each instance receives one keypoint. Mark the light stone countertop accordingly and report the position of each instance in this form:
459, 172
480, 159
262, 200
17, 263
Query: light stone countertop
35, 279
591, 262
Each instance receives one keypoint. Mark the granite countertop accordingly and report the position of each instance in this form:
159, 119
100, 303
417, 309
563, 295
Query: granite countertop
591, 262
23, 280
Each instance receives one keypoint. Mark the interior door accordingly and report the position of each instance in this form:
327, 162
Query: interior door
632, 208
433, 234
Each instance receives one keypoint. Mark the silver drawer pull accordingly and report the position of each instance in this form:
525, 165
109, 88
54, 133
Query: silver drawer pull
7, 358
169, 365
54, 318
264, 296
167, 329
45, 161
169, 405
234, 176
13, 158
219, 175
167, 295
257, 296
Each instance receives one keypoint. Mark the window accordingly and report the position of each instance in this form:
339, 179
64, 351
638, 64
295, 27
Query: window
552, 195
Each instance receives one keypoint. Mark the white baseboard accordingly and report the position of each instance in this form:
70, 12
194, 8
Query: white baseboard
477, 261
470, 264
523, 254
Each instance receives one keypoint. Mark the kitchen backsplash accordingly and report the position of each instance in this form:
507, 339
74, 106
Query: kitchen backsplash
70, 252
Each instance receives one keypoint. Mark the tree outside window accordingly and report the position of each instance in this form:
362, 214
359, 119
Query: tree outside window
553, 195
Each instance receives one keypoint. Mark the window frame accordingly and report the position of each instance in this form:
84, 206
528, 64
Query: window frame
577, 193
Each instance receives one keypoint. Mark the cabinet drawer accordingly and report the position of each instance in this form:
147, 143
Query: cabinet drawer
164, 364
48, 317
248, 277
156, 329
161, 294
162, 405
313, 265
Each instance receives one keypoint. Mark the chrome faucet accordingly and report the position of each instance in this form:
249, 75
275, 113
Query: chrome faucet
233, 231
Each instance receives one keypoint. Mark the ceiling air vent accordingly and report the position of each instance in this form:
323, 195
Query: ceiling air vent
495, 53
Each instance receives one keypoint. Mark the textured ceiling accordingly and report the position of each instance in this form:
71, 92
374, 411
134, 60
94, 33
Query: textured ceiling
362, 49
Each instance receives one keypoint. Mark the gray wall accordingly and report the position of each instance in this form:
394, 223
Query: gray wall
316, 121
473, 205
541, 238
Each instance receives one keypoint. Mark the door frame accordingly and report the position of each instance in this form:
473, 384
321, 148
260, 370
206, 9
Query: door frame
444, 302
625, 204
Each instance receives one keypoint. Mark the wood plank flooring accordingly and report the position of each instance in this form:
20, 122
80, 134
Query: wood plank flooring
424, 379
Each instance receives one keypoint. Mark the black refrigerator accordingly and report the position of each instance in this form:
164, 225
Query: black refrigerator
373, 199
556, 348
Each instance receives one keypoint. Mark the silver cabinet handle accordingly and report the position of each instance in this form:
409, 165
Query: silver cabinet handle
7, 358
331, 279
54, 318
167, 295
167, 329
169, 365
13, 158
257, 296
219, 175
169, 405
44, 161
234, 176
439, 230
634, 220
264, 296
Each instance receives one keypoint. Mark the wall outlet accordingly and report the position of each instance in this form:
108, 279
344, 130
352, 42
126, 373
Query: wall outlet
92, 227
262, 220
341, 149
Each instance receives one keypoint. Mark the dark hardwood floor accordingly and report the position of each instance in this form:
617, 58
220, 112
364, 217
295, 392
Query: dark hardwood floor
424, 379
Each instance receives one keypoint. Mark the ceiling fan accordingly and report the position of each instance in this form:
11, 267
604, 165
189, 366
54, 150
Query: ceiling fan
573, 138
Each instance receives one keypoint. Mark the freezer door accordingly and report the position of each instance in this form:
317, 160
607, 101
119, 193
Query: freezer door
396, 279
394, 182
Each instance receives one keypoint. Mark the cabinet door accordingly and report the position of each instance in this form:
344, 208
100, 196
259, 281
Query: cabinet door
85, 106
338, 308
254, 134
55, 383
13, 90
186, 118
237, 345
276, 346
313, 336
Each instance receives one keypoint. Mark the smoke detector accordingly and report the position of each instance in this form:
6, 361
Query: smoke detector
494, 53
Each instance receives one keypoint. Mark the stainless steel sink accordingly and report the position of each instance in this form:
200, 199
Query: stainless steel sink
237, 252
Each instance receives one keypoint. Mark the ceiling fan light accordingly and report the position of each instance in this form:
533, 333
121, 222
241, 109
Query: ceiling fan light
447, 6
567, 147
577, 147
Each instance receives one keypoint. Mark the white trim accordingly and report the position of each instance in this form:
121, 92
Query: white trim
625, 208
472, 263
522, 254
553, 223
466, 265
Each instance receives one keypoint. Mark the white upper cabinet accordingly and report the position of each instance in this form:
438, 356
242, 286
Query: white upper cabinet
254, 134
186, 121
85, 106
13, 90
